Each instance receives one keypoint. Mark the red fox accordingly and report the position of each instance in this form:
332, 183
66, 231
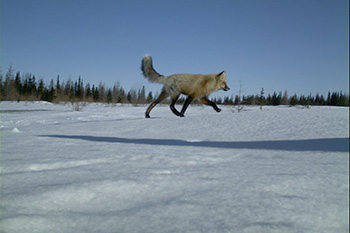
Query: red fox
193, 85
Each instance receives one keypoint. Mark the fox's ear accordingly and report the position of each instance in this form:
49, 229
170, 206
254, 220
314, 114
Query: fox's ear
220, 74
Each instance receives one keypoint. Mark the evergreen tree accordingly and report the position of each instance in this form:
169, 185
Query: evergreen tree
102, 92
95, 93
8, 87
276, 99
88, 92
329, 98
293, 100
32, 85
343, 100
237, 100
109, 96
68, 89
80, 89
149, 97
335, 99
41, 89
319, 100
58, 85
142, 95
262, 98
18, 83
121, 96
285, 100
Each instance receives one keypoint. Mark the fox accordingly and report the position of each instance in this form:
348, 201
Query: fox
194, 86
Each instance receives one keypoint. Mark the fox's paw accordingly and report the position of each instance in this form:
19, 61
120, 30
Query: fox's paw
218, 110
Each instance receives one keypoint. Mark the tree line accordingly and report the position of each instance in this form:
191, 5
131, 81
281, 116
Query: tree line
332, 99
26, 87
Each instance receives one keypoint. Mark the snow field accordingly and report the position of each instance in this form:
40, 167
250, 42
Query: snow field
108, 169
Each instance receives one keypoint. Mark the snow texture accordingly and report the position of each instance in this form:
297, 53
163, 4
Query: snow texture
108, 169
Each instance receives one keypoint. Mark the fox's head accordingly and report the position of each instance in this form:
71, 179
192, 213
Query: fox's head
221, 81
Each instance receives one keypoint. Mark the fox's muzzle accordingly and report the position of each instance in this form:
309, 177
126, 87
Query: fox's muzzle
225, 88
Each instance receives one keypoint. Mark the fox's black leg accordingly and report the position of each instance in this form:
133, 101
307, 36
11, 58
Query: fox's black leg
163, 95
186, 104
206, 101
172, 105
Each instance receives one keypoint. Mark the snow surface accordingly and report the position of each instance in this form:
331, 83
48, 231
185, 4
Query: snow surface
108, 169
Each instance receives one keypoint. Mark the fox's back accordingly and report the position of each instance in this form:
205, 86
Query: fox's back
194, 85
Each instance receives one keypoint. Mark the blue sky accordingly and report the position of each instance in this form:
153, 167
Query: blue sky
301, 46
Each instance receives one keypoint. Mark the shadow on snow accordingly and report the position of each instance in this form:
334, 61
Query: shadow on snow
326, 144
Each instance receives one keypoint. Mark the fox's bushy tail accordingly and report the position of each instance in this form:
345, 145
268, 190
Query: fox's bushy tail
148, 70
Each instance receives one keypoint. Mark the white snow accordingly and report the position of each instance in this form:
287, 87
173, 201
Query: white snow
106, 168
15, 130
